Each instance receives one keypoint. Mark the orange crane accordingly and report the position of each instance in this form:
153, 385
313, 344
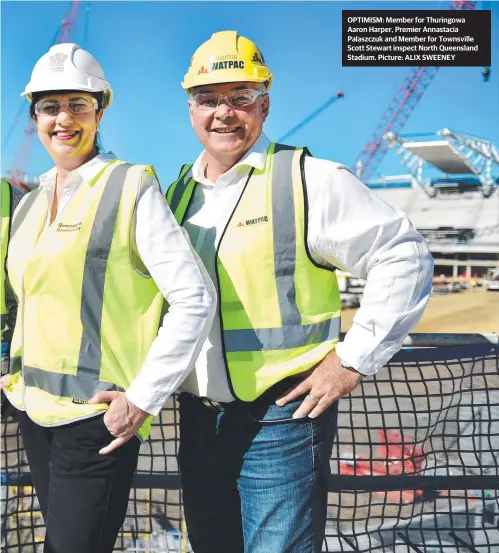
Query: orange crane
399, 110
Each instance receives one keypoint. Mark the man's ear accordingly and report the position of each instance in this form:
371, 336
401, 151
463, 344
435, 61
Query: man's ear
265, 106
191, 109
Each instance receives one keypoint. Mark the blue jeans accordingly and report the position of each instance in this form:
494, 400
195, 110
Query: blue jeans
255, 480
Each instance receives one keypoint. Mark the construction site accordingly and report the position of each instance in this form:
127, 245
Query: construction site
447, 185
450, 194
406, 434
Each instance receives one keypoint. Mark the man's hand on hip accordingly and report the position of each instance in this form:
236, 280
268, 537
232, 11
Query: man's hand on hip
328, 382
122, 419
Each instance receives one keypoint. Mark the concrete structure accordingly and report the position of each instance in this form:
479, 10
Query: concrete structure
460, 226
457, 210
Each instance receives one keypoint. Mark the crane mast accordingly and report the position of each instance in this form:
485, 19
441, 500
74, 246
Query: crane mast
398, 112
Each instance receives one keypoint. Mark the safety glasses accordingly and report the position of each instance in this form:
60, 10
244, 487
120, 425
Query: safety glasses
237, 99
78, 105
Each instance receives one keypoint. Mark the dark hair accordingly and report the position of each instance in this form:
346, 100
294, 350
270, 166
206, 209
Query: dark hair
99, 96
98, 143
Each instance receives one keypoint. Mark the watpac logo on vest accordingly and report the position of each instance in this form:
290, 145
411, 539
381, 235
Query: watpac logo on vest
256, 221
79, 401
62, 227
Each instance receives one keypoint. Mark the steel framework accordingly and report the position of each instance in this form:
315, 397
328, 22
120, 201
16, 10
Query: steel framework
398, 112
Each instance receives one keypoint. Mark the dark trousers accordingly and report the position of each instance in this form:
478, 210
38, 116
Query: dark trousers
254, 479
83, 495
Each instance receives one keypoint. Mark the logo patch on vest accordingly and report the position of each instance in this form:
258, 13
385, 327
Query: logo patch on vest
61, 227
79, 401
256, 221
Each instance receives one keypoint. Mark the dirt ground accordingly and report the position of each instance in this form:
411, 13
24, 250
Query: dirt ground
467, 311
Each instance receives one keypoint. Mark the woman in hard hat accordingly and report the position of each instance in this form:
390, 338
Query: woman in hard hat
94, 253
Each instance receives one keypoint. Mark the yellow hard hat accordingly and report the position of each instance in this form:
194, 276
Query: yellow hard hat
227, 57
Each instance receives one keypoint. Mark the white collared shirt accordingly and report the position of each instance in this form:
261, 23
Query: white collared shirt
350, 228
178, 273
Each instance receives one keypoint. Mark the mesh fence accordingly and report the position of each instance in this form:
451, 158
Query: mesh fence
415, 467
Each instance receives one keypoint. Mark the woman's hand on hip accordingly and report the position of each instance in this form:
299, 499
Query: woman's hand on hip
5, 381
122, 419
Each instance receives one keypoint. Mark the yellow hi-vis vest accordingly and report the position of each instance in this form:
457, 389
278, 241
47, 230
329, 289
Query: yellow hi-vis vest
87, 317
4, 237
279, 311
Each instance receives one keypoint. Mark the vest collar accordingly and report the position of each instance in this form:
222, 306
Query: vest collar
85, 172
254, 157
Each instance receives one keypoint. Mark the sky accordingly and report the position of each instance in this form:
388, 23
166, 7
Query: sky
145, 49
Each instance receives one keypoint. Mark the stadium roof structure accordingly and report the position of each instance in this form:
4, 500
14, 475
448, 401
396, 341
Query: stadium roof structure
443, 155
454, 154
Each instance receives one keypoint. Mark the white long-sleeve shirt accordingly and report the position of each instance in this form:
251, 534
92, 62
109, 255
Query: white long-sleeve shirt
178, 273
350, 228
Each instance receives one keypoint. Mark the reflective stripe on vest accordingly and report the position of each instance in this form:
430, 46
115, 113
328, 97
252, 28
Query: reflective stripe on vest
117, 309
21, 213
280, 312
4, 243
179, 194
28, 201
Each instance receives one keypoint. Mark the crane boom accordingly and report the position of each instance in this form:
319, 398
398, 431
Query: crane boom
399, 110
394, 119
313, 115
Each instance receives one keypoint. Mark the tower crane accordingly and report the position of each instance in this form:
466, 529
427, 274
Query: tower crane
16, 174
399, 110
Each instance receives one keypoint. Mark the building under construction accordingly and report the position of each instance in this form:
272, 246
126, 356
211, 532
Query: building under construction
450, 194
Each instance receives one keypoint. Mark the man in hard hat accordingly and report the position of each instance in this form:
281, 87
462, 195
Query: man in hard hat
11, 196
271, 224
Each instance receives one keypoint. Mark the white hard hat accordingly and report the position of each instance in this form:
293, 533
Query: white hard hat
66, 66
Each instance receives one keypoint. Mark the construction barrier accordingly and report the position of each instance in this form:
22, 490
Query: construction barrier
415, 467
